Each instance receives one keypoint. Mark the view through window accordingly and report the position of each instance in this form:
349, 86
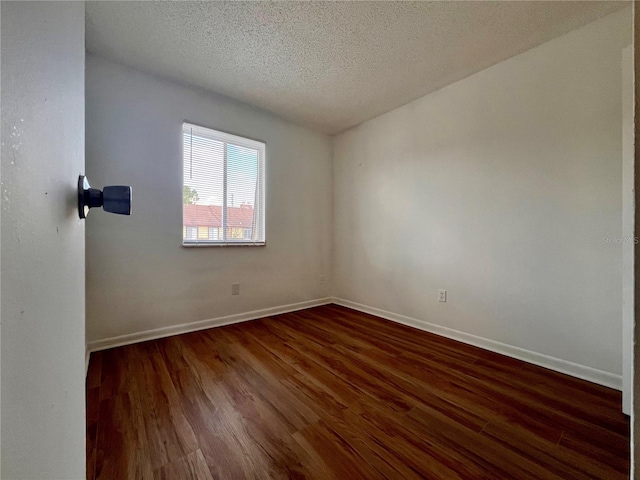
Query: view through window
223, 188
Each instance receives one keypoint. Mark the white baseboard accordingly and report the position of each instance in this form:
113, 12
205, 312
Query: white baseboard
563, 366
87, 356
130, 338
575, 370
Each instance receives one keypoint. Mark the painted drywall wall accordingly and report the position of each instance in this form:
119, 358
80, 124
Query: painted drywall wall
505, 190
139, 277
43, 336
628, 244
635, 414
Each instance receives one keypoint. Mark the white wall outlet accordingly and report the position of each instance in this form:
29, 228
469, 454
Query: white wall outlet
235, 289
321, 279
442, 296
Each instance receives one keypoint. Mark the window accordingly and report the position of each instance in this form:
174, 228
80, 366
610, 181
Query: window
214, 233
223, 188
191, 233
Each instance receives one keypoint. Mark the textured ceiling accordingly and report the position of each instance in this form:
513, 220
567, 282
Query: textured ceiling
326, 65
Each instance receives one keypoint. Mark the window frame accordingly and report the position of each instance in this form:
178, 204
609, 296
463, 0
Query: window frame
260, 202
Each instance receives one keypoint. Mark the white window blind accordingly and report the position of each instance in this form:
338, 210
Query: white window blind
223, 188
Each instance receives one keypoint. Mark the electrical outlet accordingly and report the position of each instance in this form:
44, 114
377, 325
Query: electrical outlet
321, 279
442, 296
235, 289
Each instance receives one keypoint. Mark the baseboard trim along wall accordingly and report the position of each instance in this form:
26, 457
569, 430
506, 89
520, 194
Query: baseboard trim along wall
580, 371
201, 325
575, 370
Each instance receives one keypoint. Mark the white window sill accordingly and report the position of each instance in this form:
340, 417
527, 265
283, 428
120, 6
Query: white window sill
223, 244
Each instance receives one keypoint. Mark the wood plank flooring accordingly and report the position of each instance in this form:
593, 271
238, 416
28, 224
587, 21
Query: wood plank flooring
331, 393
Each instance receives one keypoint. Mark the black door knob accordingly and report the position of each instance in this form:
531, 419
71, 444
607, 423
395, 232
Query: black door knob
113, 199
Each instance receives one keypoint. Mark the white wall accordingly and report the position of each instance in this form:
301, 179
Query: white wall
628, 245
43, 412
498, 188
635, 414
139, 277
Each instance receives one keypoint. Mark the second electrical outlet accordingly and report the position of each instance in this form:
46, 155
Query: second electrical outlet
442, 296
235, 289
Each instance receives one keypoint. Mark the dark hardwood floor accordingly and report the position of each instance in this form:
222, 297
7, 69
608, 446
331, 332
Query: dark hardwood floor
333, 393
